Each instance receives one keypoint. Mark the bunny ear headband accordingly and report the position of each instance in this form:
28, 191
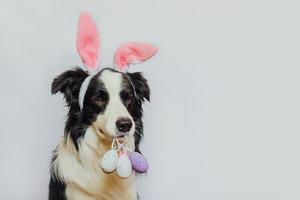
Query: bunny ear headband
88, 47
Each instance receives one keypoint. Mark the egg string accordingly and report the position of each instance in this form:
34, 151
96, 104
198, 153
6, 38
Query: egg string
120, 146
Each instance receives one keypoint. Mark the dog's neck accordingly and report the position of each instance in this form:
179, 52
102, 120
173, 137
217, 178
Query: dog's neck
80, 169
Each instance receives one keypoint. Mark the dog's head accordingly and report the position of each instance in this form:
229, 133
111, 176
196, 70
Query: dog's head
110, 100
112, 103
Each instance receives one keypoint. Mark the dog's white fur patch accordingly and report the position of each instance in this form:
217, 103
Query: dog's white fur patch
81, 170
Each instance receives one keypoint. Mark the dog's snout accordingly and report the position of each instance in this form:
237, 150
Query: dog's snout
124, 125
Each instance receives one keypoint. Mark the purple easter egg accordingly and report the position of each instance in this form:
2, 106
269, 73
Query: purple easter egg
138, 162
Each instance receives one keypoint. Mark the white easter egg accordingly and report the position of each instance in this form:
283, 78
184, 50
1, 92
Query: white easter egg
124, 167
109, 161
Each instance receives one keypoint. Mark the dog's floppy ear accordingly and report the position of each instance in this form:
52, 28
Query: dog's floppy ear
69, 84
140, 85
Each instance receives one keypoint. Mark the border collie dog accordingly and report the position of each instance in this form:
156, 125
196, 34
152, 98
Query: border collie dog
112, 106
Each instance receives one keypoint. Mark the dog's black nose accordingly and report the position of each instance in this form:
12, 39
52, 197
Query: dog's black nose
124, 125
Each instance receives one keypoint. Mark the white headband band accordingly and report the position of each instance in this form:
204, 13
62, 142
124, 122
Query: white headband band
83, 89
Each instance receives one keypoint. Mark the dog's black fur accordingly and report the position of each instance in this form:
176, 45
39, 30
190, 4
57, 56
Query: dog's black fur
78, 120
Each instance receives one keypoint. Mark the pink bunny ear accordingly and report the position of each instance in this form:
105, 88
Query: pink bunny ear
88, 42
132, 53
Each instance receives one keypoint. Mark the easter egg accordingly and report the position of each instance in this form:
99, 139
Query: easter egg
138, 162
109, 161
124, 167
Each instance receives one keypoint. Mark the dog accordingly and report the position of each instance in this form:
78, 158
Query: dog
103, 105
112, 106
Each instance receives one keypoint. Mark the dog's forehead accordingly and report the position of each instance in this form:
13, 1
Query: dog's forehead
112, 80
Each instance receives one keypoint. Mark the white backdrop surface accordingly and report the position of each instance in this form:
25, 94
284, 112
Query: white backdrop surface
223, 123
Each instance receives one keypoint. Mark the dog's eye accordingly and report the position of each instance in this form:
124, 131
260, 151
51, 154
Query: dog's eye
128, 100
101, 99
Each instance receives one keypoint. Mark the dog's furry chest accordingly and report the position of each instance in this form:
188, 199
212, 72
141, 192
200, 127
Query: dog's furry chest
109, 188
83, 176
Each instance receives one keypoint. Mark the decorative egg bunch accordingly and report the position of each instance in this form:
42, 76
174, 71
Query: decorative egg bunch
123, 160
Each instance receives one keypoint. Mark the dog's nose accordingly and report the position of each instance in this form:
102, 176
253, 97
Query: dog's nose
124, 125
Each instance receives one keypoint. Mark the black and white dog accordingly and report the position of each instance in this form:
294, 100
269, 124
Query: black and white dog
111, 106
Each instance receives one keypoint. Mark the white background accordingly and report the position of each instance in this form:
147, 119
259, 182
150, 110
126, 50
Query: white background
223, 123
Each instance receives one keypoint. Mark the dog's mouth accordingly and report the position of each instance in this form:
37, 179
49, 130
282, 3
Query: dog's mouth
119, 135
122, 135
